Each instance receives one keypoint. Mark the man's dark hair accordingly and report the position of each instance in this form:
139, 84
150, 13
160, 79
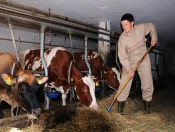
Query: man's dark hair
128, 17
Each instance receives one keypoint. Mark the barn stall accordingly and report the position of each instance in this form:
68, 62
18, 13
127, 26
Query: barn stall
46, 29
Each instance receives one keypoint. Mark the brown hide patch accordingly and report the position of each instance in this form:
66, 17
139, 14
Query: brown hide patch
47, 51
7, 96
7, 59
94, 60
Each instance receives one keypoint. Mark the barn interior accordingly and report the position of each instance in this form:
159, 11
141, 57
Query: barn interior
88, 25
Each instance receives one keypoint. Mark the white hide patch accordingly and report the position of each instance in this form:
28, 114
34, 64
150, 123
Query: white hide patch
22, 58
60, 88
36, 64
88, 80
63, 94
94, 55
117, 73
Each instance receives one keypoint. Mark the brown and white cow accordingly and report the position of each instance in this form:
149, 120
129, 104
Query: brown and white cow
59, 60
19, 89
98, 68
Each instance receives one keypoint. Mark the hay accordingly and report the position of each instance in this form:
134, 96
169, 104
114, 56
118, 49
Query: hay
134, 119
33, 128
89, 120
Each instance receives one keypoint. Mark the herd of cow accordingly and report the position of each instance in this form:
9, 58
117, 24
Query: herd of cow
18, 85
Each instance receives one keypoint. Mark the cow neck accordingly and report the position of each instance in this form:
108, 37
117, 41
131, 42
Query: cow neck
102, 72
76, 74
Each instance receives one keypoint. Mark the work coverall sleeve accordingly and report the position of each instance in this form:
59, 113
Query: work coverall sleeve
123, 56
150, 28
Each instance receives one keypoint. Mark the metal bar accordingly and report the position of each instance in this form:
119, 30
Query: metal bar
85, 55
38, 43
13, 38
44, 63
74, 31
47, 16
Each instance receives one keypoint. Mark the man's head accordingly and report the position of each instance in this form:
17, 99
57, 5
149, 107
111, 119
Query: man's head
127, 22
129, 17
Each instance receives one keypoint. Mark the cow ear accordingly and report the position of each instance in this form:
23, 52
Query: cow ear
8, 79
42, 79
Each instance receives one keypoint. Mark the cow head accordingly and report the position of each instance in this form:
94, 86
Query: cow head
24, 89
111, 77
85, 91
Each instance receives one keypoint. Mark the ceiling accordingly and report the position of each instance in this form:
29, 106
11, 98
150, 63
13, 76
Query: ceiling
160, 12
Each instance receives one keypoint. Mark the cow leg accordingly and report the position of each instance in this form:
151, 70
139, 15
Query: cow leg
14, 111
63, 93
46, 102
64, 97
1, 112
72, 94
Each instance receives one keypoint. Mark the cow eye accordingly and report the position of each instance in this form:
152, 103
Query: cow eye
84, 90
22, 87
22, 90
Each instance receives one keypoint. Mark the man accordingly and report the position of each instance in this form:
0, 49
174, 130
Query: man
131, 48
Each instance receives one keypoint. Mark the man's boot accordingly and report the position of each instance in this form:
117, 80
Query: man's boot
121, 105
147, 105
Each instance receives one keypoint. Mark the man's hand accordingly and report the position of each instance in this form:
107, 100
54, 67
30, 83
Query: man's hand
131, 74
153, 42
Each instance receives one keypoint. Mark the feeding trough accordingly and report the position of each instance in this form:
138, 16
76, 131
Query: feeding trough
53, 93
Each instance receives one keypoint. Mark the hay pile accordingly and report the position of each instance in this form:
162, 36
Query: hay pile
134, 118
89, 120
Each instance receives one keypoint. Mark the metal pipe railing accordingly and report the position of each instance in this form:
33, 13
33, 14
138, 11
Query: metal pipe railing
43, 16
44, 63
53, 26
38, 43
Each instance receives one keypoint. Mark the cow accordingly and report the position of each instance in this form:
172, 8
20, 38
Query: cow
18, 87
98, 68
59, 63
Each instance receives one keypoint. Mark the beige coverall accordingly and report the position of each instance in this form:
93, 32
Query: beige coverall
131, 48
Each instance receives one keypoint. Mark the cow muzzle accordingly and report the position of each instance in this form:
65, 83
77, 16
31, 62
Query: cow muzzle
36, 111
94, 107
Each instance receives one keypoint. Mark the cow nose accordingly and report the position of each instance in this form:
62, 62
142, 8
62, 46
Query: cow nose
36, 111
